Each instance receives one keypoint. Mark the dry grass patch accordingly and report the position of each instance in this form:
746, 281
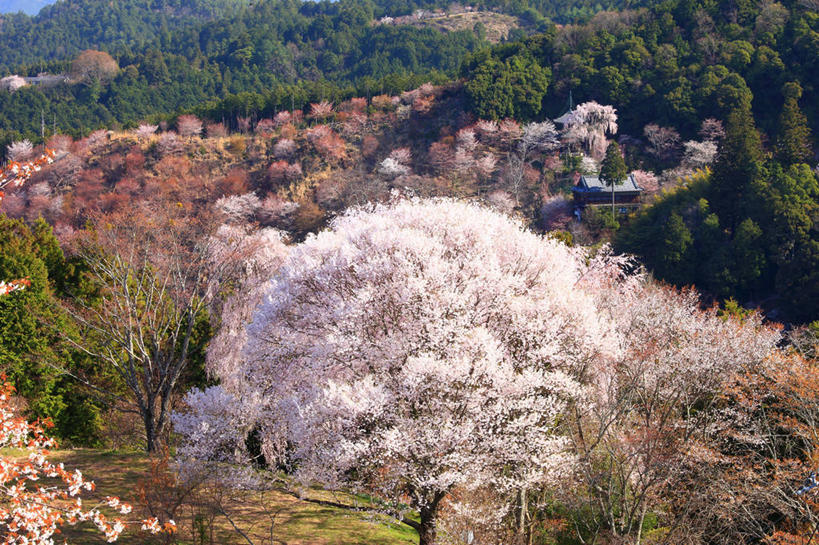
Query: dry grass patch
293, 520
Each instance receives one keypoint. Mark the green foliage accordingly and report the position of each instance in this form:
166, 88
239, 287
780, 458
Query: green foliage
31, 322
613, 169
793, 137
770, 247
513, 87
739, 162
600, 219
673, 64
732, 309
175, 56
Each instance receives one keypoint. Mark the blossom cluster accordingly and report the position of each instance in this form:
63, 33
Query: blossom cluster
31, 512
14, 285
18, 173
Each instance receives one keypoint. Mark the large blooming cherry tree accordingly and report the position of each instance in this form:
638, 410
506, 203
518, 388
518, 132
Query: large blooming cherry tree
412, 349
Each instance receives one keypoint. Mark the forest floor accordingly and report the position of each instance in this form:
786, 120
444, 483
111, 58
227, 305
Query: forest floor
274, 517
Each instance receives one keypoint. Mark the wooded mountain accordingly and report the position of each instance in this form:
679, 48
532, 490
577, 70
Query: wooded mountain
61, 30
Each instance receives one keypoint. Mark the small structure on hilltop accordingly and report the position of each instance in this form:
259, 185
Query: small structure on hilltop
47, 80
591, 191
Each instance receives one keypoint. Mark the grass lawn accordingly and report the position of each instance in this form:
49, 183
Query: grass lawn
295, 521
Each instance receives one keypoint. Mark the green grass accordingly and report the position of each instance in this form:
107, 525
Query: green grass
295, 521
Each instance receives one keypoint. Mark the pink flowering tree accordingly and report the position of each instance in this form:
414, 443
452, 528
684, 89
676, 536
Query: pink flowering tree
413, 349
589, 123
321, 110
651, 407
18, 173
189, 126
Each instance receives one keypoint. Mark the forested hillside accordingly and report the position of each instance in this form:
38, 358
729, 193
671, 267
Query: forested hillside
63, 29
557, 283
674, 63
748, 230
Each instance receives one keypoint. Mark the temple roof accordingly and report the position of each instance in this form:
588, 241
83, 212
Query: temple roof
593, 184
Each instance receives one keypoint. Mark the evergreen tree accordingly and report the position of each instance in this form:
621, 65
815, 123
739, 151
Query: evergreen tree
30, 345
613, 170
793, 139
739, 163
673, 256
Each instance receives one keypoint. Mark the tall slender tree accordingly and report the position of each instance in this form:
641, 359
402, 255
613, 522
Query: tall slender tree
793, 138
613, 171
738, 165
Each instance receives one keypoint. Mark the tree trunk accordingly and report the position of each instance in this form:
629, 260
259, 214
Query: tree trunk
427, 532
150, 433
612, 202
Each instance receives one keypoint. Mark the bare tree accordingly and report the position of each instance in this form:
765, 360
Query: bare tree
664, 141
156, 274
536, 138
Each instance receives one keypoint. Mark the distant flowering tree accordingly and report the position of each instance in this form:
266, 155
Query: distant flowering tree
321, 110
284, 148
383, 102
14, 285
238, 208
486, 129
189, 125
282, 118
401, 155
663, 141
647, 181
391, 168
534, 138
145, 130
712, 130
216, 130
486, 165
466, 139
169, 144
589, 123
699, 154
18, 173
60, 143
265, 127
411, 349
21, 150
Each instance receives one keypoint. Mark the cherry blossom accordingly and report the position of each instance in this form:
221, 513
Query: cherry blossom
32, 511
590, 122
416, 347
16, 174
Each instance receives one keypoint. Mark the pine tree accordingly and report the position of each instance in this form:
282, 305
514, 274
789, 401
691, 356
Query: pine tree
739, 163
793, 138
613, 170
